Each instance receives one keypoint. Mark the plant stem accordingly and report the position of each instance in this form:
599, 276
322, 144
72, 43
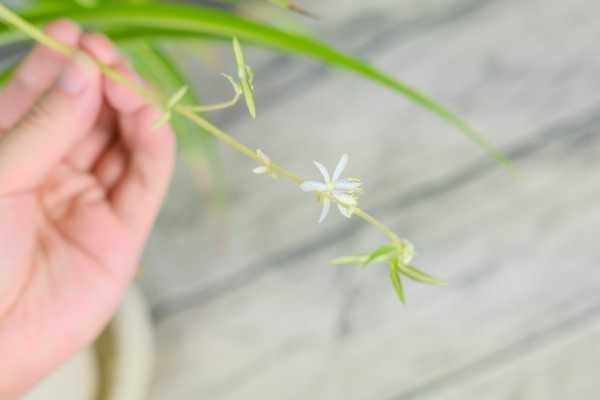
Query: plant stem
217, 106
375, 222
36, 34
13, 19
186, 110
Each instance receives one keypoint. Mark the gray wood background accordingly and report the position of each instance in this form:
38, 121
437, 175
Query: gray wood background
252, 310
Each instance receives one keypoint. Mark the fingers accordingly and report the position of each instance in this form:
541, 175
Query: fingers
149, 152
36, 74
86, 154
111, 167
138, 195
55, 124
89, 150
119, 96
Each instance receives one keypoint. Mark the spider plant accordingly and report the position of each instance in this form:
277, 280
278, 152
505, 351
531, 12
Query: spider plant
143, 27
137, 26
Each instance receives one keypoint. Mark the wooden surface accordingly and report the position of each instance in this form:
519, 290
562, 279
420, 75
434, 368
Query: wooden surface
254, 311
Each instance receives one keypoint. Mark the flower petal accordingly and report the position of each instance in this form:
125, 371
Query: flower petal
340, 167
313, 186
345, 198
345, 185
323, 171
325, 210
346, 212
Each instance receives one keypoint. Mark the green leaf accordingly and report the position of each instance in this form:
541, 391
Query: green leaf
176, 98
178, 20
6, 74
349, 260
246, 77
397, 282
240, 62
87, 3
382, 253
418, 275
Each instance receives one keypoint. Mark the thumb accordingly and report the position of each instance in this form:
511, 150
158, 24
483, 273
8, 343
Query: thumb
59, 120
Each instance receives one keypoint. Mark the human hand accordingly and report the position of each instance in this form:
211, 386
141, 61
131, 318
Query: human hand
82, 176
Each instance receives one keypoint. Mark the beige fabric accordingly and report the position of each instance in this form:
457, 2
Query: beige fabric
76, 380
126, 351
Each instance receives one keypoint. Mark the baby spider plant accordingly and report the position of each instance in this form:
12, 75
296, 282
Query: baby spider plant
397, 253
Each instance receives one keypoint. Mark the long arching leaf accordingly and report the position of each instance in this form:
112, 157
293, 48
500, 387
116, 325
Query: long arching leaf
177, 19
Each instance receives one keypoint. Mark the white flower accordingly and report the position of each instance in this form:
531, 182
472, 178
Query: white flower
267, 167
343, 190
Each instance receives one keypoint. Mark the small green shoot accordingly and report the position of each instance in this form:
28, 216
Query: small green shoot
246, 77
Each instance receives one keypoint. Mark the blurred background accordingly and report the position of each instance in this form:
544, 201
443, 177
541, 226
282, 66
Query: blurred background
249, 307
244, 303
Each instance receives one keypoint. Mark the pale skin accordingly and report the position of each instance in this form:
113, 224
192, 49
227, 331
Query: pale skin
82, 177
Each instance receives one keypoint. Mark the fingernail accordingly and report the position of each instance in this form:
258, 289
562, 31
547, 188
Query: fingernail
75, 78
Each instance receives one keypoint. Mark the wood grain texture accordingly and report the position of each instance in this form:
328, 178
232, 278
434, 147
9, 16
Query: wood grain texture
268, 318
561, 369
515, 262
